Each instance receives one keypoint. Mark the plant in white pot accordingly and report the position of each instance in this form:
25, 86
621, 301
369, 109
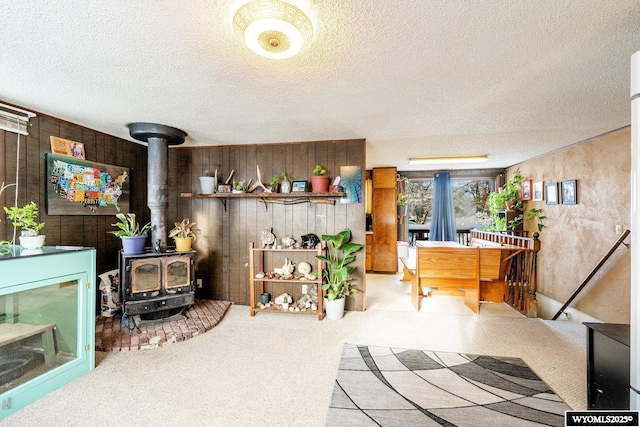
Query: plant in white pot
132, 236
208, 183
319, 180
184, 234
337, 271
26, 218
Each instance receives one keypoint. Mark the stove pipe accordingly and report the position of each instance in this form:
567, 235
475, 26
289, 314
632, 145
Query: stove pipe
158, 138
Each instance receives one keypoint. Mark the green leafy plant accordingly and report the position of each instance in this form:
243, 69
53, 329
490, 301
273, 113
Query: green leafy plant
508, 197
286, 176
274, 181
184, 230
207, 173
337, 271
319, 170
128, 226
240, 186
531, 214
402, 199
25, 218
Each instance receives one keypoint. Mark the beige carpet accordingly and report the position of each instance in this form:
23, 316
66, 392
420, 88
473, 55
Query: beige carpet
279, 370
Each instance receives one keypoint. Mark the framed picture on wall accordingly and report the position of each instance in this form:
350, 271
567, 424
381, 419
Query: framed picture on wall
224, 188
525, 190
299, 186
551, 188
538, 192
569, 192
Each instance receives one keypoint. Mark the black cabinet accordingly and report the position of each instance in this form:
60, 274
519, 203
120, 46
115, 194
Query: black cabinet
608, 368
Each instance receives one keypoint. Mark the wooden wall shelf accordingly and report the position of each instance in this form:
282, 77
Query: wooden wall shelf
271, 198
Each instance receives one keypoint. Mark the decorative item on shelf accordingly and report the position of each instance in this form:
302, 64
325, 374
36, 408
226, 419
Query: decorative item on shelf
265, 297
26, 218
273, 184
288, 242
337, 271
299, 187
319, 180
132, 236
184, 234
285, 185
309, 241
239, 187
283, 299
224, 188
267, 238
287, 269
304, 268
208, 182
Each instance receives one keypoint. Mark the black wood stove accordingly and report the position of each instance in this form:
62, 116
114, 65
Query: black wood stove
160, 282
156, 285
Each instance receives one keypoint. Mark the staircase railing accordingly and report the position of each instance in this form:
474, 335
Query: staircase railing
521, 274
604, 259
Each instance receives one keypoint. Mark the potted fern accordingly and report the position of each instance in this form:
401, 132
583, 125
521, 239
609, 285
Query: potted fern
133, 237
184, 234
26, 218
319, 180
337, 272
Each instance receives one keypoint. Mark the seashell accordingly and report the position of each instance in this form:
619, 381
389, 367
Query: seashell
304, 268
260, 275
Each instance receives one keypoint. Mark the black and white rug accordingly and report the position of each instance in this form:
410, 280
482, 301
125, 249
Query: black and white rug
379, 386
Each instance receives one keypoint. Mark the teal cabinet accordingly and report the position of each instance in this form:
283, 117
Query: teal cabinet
47, 321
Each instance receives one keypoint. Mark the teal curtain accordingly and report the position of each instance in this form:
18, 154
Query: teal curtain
443, 219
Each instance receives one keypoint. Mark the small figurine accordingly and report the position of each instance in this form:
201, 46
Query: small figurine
310, 241
267, 238
288, 242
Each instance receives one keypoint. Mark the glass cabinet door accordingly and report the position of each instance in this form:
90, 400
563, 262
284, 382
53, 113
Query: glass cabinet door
38, 331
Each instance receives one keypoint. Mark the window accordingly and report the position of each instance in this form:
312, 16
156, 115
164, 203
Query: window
469, 201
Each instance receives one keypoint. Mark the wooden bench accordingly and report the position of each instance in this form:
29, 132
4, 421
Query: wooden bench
14, 332
448, 269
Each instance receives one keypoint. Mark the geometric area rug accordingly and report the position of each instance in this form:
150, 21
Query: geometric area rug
114, 335
380, 386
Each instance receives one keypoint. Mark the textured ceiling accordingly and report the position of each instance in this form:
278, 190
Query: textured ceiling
511, 79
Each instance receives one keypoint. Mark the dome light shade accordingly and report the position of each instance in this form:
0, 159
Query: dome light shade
273, 28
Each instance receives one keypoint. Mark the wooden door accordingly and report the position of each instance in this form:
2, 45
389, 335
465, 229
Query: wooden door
384, 253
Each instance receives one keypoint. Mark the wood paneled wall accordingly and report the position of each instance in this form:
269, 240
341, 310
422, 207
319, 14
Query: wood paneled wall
222, 249
71, 230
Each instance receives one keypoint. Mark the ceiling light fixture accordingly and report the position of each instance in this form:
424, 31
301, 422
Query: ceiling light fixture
447, 159
273, 28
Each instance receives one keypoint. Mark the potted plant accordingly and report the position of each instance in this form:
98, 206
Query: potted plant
285, 186
337, 271
132, 236
208, 183
506, 198
319, 180
26, 218
285, 303
273, 184
239, 187
184, 234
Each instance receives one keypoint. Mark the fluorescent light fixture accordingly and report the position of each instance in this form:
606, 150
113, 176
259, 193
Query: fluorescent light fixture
436, 160
274, 29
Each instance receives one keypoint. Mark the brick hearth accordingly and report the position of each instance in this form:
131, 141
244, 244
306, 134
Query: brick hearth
111, 335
